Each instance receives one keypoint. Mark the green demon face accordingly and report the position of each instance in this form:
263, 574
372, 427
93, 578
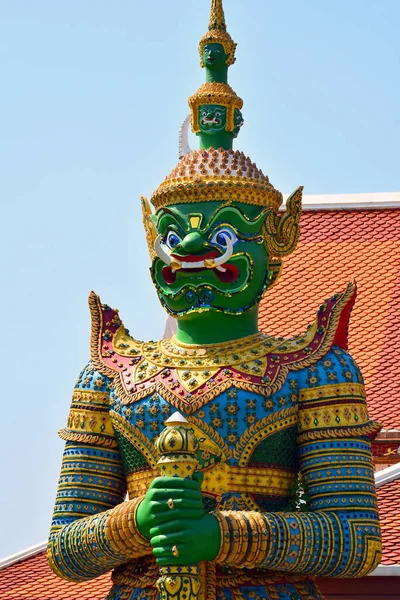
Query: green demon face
214, 56
210, 256
239, 122
212, 118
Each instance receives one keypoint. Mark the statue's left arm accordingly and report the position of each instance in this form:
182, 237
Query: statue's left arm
339, 534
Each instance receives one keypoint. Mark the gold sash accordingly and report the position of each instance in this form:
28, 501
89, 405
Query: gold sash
222, 478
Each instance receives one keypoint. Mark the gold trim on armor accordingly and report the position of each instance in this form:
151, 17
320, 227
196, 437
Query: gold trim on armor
85, 420
87, 438
213, 441
88, 419
369, 429
136, 437
223, 478
331, 391
90, 397
262, 429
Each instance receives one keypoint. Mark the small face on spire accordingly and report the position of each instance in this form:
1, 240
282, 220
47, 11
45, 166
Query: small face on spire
212, 118
213, 56
217, 38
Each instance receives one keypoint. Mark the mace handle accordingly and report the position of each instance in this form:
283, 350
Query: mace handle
177, 446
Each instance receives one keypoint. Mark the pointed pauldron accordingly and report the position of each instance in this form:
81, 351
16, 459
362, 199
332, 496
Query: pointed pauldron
190, 376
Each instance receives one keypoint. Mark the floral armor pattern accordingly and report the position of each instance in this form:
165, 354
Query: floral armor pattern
264, 410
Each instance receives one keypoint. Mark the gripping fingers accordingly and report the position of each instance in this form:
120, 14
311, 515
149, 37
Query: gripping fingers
163, 495
167, 558
170, 483
181, 505
164, 550
168, 539
178, 504
160, 519
166, 523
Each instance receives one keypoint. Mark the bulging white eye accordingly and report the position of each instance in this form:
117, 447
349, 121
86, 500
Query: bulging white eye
203, 113
221, 237
217, 114
172, 240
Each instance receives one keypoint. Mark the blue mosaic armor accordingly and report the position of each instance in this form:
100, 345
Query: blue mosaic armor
298, 457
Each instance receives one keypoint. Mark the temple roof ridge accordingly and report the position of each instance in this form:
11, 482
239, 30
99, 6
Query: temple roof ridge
22, 555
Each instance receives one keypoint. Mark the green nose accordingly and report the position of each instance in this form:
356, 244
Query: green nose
193, 243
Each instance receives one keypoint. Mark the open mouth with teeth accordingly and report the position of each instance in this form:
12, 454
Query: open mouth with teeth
191, 263
210, 121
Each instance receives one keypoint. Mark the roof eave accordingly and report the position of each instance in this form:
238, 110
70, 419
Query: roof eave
387, 475
386, 571
370, 201
18, 556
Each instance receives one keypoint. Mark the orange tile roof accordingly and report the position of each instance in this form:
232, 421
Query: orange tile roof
32, 579
336, 246
389, 511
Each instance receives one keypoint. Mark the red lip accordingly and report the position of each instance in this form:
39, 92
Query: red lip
230, 274
195, 257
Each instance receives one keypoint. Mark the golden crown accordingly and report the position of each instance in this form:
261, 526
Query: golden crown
215, 93
216, 175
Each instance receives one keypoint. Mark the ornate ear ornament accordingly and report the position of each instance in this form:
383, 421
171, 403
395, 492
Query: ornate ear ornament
149, 227
281, 230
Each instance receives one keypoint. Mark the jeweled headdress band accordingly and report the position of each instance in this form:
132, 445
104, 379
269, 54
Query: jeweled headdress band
222, 175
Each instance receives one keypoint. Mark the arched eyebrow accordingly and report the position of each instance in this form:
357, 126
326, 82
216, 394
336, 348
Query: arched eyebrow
241, 222
167, 217
226, 214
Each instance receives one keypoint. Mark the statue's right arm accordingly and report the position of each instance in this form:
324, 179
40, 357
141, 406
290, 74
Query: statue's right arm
93, 529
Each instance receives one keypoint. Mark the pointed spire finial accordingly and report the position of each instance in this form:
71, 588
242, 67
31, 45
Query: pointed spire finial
215, 108
217, 16
217, 33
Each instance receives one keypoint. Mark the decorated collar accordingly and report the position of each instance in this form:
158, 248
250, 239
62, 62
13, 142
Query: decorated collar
189, 376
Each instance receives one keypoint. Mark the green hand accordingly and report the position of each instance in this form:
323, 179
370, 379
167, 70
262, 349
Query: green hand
154, 509
196, 540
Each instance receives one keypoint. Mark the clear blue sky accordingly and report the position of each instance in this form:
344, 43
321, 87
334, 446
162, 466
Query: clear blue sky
92, 96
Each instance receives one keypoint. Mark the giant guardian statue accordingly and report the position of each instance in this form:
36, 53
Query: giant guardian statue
245, 457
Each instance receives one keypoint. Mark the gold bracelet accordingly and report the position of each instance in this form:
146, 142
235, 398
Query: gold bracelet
264, 537
244, 536
225, 537
123, 532
253, 541
235, 541
132, 518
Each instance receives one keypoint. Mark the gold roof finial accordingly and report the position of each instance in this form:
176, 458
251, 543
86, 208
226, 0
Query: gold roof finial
217, 33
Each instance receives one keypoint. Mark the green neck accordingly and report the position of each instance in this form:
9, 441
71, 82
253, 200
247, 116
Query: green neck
214, 328
222, 139
218, 75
